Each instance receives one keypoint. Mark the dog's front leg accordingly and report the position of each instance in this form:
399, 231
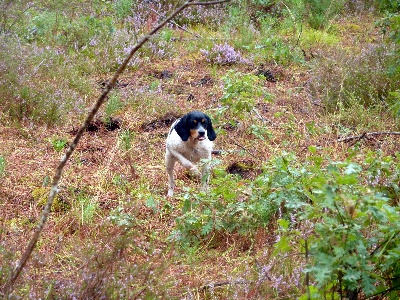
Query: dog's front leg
187, 164
169, 163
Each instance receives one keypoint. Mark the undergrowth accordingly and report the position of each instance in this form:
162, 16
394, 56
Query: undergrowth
342, 214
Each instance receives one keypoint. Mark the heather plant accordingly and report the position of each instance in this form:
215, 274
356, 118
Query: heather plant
343, 79
223, 54
41, 101
240, 25
118, 249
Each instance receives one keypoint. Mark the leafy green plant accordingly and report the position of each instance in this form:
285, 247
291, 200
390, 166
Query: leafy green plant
114, 105
343, 214
260, 132
123, 8
59, 143
234, 205
395, 99
86, 209
390, 26
241, 92
355, 225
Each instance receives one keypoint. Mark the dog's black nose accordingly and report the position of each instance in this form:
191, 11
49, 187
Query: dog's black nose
202, 133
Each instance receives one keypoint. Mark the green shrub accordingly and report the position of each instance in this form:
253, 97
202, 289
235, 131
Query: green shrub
320, 13
347, 211
226, 209
351, 225
388, 5
241, 91
113, 106
123, 8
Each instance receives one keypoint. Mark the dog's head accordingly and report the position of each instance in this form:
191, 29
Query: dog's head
196, 125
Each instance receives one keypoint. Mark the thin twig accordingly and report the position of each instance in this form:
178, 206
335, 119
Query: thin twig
218, 284
358, 137
54, 189
244, 148
221, 151
365, 134
264, 119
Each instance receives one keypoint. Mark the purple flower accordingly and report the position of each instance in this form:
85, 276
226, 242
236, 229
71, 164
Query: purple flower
223, 54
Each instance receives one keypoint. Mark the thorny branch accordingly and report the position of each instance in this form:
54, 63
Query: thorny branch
54, 189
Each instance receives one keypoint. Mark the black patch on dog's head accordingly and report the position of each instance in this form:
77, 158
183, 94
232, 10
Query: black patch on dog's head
192, 121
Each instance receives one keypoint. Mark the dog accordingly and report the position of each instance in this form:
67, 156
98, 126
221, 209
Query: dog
189, 140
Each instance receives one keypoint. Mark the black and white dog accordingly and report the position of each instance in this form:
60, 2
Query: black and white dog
189, 140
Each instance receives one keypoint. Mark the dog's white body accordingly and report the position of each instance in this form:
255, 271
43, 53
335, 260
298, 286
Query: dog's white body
188, 153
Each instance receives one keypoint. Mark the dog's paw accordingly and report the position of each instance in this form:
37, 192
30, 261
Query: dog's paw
170, 193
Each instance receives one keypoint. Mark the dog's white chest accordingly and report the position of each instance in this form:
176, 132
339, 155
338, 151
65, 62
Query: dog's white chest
198, 152
192, 151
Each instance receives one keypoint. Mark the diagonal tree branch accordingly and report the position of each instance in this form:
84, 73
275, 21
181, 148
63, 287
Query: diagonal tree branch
59, 170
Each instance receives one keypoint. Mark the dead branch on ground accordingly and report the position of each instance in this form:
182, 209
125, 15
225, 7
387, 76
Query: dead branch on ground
366, 134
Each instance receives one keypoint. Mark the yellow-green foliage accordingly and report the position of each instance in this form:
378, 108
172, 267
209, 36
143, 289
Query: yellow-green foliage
40, 195
312, 37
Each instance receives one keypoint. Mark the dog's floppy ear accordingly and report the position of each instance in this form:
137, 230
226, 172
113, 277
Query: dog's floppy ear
210, 130
182, 129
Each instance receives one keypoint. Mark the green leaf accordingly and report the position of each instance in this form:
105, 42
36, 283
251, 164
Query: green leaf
312, 149
206, 229
353, 168
282, 246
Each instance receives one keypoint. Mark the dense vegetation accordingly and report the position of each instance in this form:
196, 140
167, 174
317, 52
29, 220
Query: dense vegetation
304, 199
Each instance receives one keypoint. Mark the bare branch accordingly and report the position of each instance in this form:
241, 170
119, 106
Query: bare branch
207, 3
218, 284
358, 137
365, 134
54, 189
